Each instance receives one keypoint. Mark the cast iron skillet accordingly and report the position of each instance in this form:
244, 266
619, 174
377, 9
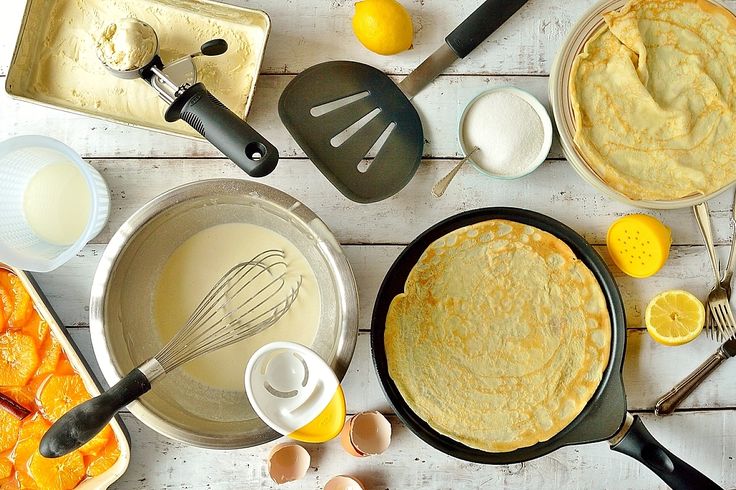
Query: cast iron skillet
605, 416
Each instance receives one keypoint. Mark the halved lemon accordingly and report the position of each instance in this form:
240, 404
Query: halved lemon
674, 317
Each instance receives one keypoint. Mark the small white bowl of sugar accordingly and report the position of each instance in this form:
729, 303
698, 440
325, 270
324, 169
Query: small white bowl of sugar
511, 130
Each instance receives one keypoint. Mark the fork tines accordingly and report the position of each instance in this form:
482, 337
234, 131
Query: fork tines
722, 317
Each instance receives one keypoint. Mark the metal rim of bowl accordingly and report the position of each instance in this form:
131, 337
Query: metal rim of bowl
543, 117
347, 297
590, 22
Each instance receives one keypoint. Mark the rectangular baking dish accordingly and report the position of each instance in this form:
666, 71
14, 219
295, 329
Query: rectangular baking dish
32, 46
80, 366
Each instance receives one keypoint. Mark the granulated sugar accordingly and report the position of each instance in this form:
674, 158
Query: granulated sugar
507, 131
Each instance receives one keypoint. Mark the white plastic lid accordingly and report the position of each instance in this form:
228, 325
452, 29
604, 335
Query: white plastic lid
291, 387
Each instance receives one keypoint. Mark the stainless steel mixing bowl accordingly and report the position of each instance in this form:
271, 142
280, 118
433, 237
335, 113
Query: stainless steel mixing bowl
122, 303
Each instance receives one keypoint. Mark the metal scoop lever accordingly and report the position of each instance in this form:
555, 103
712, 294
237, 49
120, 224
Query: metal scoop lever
193, 103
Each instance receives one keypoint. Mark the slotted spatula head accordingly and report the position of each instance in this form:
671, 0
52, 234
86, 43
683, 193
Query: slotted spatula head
329, 135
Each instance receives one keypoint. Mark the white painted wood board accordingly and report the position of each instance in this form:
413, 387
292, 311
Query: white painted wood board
138, 165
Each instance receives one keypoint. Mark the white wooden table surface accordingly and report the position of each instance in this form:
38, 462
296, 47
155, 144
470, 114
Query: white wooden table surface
138, 165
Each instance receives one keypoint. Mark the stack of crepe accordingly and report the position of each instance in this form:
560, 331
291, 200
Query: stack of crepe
654, 98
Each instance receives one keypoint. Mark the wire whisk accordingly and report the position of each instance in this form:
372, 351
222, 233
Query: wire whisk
248, 299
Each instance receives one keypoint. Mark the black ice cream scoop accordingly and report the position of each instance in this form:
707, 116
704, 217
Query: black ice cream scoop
189, 100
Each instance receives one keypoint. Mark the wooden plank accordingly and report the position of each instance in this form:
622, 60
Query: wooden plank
554, 189
409, 463
440, 106
68, 288
305, 33
12, 14
650, 370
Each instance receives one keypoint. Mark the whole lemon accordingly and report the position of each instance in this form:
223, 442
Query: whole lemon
383, 26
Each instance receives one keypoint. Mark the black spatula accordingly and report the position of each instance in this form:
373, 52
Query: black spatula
340, 111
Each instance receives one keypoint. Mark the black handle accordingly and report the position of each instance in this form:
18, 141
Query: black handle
214, 47
481, 24
80, 424
640, 445
223, 128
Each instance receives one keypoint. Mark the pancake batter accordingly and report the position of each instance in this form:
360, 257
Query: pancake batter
198, 263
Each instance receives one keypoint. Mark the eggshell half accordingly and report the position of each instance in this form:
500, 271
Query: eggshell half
287, 462
344, 482
366, 434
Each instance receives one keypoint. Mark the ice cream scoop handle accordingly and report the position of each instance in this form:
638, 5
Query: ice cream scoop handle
80, 424
223, 128
669, 402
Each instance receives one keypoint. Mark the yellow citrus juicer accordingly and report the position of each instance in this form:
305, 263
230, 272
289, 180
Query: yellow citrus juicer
295, 392
639, 244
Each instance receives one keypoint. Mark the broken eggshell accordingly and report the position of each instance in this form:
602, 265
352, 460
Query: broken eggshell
287, 462
366, 434
344, 482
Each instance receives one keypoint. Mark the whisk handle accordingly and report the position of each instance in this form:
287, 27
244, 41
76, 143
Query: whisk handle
80, 424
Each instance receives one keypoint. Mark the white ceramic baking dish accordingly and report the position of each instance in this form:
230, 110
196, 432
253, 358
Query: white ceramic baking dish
80, 366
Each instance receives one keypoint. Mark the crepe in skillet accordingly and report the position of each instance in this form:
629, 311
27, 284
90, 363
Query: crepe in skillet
500, 337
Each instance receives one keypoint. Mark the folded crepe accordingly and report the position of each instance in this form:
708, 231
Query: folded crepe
653, 97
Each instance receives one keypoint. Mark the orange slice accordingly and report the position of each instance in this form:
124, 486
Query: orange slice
98, 442
9, 483
25, 395
6, 298
17, 303
9, 427
25, 481
65, 367
50, 355
36, 328
57, 473
29, 437
6, 468
60, 394
18, 359
104, 460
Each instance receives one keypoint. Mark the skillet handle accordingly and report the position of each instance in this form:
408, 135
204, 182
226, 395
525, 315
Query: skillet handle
481, 24
638, 443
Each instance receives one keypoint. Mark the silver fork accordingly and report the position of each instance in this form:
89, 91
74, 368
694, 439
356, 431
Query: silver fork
717, 305
727, 276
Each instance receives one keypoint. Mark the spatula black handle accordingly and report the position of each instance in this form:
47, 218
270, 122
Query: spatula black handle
481, 24
223, 128
640, 445
80, 424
